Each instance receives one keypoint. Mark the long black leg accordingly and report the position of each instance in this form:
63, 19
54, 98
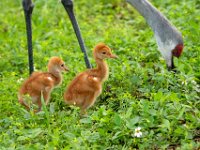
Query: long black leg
28, 8
172, 67
68, 5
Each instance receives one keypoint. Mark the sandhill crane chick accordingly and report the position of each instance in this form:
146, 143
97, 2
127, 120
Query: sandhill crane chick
42, 83
87, 86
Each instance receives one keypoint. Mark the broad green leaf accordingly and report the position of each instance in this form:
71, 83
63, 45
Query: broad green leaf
86, 120
117, 120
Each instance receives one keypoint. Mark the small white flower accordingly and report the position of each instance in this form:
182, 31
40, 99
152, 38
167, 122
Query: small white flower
184, 82
193, 82
20, 80
138, 133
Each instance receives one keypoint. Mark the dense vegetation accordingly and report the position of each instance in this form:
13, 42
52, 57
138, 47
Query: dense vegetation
140, 92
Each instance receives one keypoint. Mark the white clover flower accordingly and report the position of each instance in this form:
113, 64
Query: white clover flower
184, 82
193, 82
185, 125
20, 80
138, 133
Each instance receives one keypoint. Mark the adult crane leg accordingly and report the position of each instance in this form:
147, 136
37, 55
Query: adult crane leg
68, 5
28, 8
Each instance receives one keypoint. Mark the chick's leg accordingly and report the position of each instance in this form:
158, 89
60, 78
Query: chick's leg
39, 103
88, 102
36, 99
21, 101
46, 94
21, 94
83, 112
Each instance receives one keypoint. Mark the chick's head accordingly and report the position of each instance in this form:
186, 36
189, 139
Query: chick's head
57, 65
102, 51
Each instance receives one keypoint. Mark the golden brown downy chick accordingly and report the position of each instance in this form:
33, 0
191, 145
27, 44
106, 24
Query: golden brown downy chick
42, 83
87, 86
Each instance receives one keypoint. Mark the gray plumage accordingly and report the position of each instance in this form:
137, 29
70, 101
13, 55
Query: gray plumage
167, 36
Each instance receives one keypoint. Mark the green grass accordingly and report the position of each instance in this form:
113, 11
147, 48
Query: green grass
139, 92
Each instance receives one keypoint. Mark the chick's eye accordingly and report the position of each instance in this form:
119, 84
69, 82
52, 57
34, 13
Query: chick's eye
103, 52
62, 65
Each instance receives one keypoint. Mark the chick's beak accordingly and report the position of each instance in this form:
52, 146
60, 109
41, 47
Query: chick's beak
66, 68
113, 56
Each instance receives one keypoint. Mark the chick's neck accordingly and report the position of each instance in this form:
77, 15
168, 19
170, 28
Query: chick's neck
102, 69
56, 75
